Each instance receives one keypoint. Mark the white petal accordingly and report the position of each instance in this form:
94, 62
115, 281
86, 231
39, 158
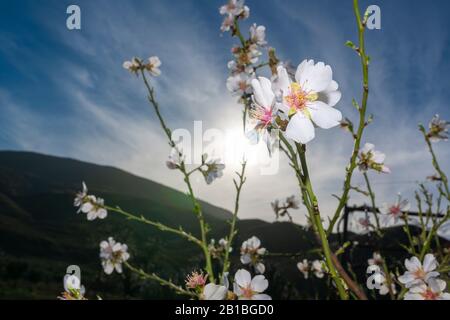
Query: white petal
378, 157
316, 78
214, 292
260, 268
406, 278
368, 147
324, 116
243, 278
384, 208
266, 86
108, 267
254, 242
300, 129
246, 258
429, 263
282, 82
413, 264
413, 296
302, 67
261, 297
259, 283
331, 97
259, 94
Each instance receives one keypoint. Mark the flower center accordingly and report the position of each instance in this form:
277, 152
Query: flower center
420, 274
247, 292
395, 210
298, 98
262, 114
243, 85
430, 295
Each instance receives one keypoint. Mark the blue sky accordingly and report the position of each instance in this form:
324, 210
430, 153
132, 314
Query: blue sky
65, 93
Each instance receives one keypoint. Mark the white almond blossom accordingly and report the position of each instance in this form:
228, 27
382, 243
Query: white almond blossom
240, 84
369, 158
251, 253
258, 35
93, 206
317, 268
232, 7
417, 273
97, 210
438, 129
112, 255
217, 250
376, 259
308, 100
292, 202
247, 288
214, 169
433, 290
393, 212
262, 113
134, 65
303, 266
153, 66
247, 56
175, 159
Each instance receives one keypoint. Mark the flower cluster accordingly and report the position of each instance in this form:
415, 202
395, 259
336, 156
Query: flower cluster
244, 287
421, 280
295, 105
316, 267
369, 158
112, 255
281, 209
152, 65
246, 54
211, 169
218, 249
252, 253
438, 129
93, 206
233, 10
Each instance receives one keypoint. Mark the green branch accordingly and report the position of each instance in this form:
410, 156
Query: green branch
238, 186
362, 117
161, 281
